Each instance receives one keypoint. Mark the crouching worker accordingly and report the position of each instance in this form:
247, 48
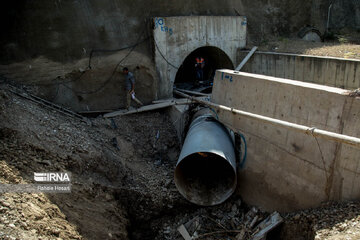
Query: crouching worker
130, 88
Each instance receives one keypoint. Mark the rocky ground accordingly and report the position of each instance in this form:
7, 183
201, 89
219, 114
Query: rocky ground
122, 183
330, 221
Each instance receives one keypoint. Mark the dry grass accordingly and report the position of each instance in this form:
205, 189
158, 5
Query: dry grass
331, 49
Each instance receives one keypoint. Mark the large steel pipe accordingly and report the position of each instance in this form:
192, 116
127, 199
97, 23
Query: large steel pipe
205, 173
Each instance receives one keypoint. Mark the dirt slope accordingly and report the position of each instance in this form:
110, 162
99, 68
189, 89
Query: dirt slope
122, 183
114, 182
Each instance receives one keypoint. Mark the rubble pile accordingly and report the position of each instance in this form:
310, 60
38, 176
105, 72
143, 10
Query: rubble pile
230, 220
330, 221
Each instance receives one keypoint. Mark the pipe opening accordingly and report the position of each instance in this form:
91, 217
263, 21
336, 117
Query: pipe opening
205, 178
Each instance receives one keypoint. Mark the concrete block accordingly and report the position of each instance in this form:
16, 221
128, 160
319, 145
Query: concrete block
330, 71
288, 170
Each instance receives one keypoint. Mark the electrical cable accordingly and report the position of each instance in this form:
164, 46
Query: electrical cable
242, 163
112, 50
132, 47
213, 110
83, 72
162, 55
113, 73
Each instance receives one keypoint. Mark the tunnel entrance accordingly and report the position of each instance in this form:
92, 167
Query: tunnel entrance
214, 57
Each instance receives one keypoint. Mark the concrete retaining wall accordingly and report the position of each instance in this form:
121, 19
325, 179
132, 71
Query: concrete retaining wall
336, 72
288, 170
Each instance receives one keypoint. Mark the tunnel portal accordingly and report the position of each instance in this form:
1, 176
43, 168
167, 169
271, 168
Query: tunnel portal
214, 58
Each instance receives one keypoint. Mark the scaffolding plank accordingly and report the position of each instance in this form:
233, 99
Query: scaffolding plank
148, 107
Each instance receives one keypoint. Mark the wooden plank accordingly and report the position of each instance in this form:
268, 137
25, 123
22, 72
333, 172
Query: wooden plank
238, 68
192, 92
242, 54
162, 100
247, 67
141, 109
151, 107
95, 111
177, 101
184, 233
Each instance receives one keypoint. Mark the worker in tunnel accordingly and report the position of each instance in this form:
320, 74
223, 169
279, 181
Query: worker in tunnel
130, 88
199, 67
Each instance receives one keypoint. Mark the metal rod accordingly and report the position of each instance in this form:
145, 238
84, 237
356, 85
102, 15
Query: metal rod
248, 56
26, 96
354, 141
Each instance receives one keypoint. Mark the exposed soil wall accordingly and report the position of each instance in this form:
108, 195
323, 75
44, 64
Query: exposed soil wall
67, 30
345, 14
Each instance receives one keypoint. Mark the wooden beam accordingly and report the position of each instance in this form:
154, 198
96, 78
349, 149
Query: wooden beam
192, 92
95, 111
149, 107
162, 100
246, 59
184, 233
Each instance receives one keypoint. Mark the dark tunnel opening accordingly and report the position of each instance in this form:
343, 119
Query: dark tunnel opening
205, 178
214, 57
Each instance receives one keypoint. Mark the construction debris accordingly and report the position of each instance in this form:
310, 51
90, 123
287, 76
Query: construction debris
236, 223
267, 225
355, 93
230, 220
184, 233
